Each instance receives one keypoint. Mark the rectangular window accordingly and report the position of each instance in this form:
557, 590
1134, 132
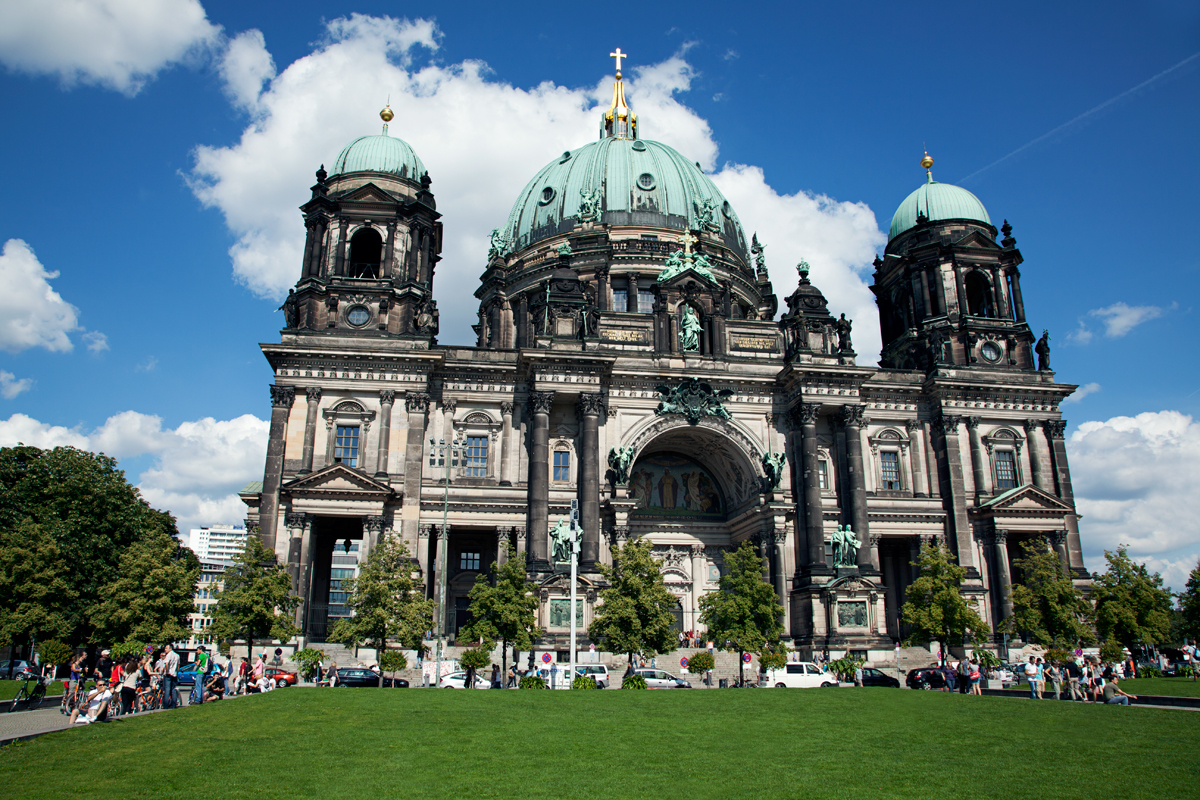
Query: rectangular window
476, 461
620, 300
822, 475
645, 301
889, 466
1006, 470
562, 465
468, 561
345, 446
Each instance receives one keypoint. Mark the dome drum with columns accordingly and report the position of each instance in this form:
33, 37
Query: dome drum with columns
629, 357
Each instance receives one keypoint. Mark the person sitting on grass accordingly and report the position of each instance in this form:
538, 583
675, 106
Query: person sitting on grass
1114, 695
97, 706
214, 689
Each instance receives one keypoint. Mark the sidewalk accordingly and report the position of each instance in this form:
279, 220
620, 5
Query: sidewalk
16, 725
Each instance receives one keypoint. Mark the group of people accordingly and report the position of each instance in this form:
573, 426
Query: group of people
1081, 680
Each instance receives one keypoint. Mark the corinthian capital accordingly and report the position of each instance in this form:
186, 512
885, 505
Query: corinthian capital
806, 413
416, 401
283, 396
591, 405
853, 416
1055, 428
540, 402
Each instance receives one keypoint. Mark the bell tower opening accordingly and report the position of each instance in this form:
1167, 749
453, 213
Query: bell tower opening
366, 254
979, 296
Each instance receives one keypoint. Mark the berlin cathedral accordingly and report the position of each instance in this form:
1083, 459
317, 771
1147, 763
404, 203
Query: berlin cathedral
632, 358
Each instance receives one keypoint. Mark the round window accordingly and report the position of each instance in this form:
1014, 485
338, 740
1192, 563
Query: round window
638, 144
726, 209
547, 195
990, 351
646, 181
358, 316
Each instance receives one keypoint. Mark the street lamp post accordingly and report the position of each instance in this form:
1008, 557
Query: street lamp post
574, 570
447, 454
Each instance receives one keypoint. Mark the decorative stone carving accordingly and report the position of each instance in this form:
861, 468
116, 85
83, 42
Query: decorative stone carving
424, 531
1055, 428
946, 423
693, 399
449, 404
590, 405
772, 464
296, 521
373, 524
806, 413
671, 555
313, 393
540, 402
697, 551
620, 535
852, 415
282, 396
1058, 538
416, 401
973, 422
387, 396
506, 407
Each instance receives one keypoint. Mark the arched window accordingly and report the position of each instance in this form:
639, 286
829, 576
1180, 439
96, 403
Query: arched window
979, 295
562, 464
366, 254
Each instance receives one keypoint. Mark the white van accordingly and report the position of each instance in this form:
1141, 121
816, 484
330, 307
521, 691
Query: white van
802, 675
597, 671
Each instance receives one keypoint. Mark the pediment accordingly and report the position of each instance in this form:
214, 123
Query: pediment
337, 479
977, 239
1024, 499
689, 274
367, 193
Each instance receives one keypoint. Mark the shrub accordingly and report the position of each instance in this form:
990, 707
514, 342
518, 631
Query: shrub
54, 652
773, 657
532, 682
845, 667
306, 662
634, 682
584, 682
701, 663
392, 661
987, 659
1149, 672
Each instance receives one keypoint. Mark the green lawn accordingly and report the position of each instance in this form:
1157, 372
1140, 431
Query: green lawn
1171, 687
9, 689
835, 743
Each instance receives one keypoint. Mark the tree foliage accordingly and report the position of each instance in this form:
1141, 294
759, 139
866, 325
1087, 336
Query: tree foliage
1132, 607
504, 608
1047, 608
745, 615
473, 660
638, 612
1189, 605
700, 663
935, 608
256, 601
151, 594
306, 661
36, 596
52, 651
83, 502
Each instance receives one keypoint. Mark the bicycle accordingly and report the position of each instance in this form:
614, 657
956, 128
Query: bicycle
31, 698
73, 694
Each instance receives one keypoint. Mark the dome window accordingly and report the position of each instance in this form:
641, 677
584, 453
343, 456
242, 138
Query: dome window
566, 156
646, 181
639, 145
366, 254
547, 195
727, 210
358, 316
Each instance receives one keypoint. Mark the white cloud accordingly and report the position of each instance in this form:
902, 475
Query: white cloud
119, 44
95, 341
10, 387
1120, 318
245, 67
1081, 335
1082, 392
1135, 482
31, 313
198, 467
482, 140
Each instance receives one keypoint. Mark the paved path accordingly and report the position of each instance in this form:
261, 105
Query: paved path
47, 719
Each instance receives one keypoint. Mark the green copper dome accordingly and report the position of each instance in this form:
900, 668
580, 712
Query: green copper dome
937, 201
640, 182
379, 154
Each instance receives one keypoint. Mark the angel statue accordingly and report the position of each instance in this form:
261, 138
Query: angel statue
498, 244
772, 464
620, 459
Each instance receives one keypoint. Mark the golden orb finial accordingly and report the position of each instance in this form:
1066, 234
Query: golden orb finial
927, 161
387, 115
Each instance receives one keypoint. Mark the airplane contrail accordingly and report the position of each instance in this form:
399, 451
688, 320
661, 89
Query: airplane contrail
1082, 116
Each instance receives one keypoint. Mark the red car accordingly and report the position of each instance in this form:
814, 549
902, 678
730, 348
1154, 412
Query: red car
282, 677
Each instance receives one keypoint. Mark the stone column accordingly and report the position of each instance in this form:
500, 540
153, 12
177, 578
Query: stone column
389, 249
539, 479
778, 559
508, 445
522, 550
697, 553
1055, 432
978, 467
1016, 293
1038, 470
590, 407
602, 288
372, 530
852, 420
1003, 574
340, 257
950, 464
425, 557
310, 236
386, 398
417, 404
310, 428
930, 460
449, 404
502, 540
916, 454
631, 298
282, 398
297, 525
812, 556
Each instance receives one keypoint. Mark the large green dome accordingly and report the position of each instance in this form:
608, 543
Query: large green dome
380, 153
937, 201
642, 182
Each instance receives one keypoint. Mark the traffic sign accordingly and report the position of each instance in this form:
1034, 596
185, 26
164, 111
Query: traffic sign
1078, 651
545, 658
746, 657
683, 663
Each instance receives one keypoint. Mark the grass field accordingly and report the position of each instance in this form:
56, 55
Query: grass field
1171, 687
835, 743
9, 689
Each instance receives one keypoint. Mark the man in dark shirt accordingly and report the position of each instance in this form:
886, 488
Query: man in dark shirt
214, 688
104, 666
1074, 673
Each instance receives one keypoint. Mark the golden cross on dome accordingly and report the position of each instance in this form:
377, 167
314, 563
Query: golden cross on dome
687, 240
618, 56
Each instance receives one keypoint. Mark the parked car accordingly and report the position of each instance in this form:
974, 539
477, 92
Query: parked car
282, 677
657, 679
874, 677
802, 675
186, 676
597, 671
17, 668
458, 680
925, 678
353, 677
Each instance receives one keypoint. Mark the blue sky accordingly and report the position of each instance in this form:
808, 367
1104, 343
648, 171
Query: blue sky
156, 155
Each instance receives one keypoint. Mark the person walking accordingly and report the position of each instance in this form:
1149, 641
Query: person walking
1073, 673
170, 676
1054, 675
129, 684
201, 674
1031, 672
964, 675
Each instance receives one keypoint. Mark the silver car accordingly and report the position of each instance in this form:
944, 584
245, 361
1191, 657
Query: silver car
657, 679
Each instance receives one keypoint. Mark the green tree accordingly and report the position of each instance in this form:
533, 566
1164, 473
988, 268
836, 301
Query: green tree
504, 608
84, 502
1047, 607
1189, 605
386, 602
638, 612
935, 608
36, 597
744, 616
152, 594
256, 601
475, 659
391, 662
54, 653
1132, 607
701, 663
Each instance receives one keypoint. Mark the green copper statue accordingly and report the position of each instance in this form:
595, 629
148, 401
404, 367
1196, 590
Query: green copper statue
621, 459
772, 464
845, 547
560, 542
689, 329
